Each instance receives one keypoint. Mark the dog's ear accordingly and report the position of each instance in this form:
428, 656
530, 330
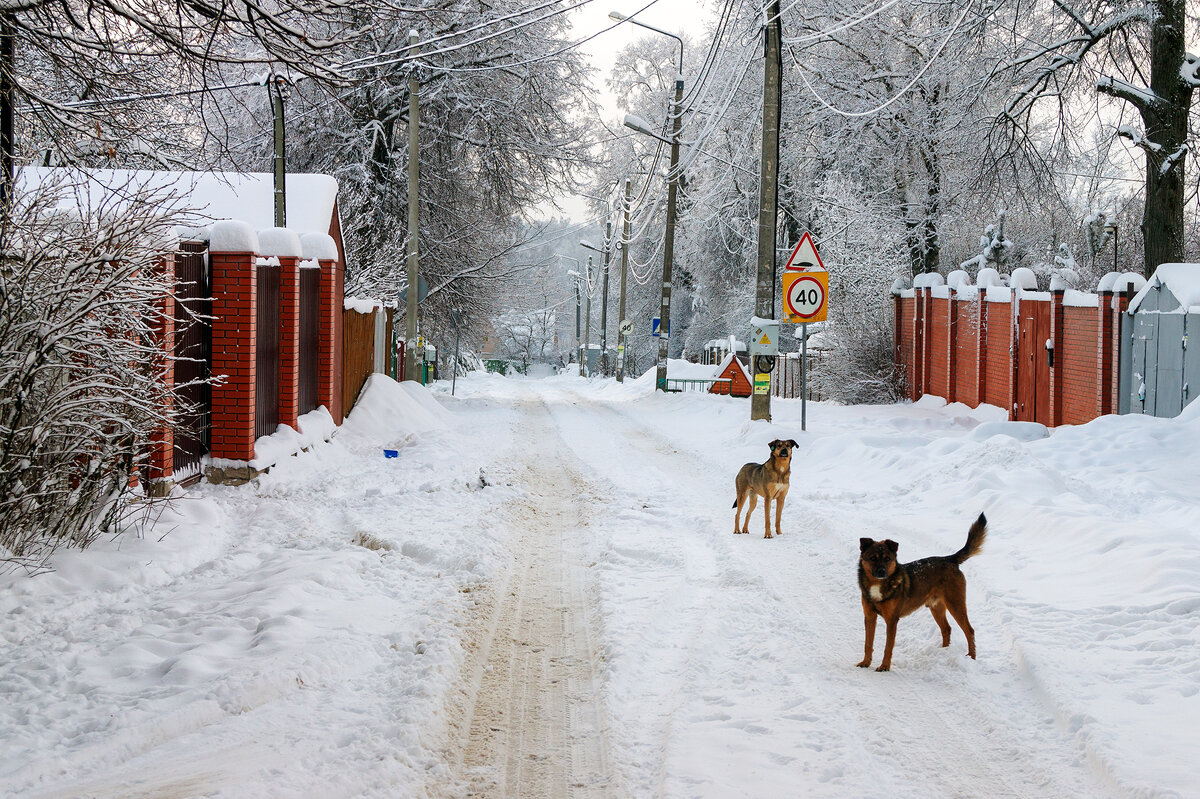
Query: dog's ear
892, 545
774, 444
792, 441
864, 544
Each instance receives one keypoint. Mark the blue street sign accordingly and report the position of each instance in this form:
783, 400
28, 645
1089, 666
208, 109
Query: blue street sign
655, 324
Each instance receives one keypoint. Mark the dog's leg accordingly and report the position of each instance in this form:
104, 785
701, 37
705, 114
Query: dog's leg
779, 510
939, 615
892, 623
956, 603
749, 512
767, 515
741, 500
868, 622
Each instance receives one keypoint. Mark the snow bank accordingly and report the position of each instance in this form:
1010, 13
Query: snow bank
388, 413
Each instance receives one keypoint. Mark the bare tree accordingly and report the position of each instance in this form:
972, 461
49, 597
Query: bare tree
1138, 50
82, 363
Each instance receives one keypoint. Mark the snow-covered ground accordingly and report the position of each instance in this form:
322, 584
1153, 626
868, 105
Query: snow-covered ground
305, 635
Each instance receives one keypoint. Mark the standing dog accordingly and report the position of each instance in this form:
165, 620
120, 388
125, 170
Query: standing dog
894, 590
768, 480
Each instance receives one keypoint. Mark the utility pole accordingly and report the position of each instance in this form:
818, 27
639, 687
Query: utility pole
624, 266
578, 340
275, 89
410, 330
587, 325
604, 301
764, 296
8, 102
664, 313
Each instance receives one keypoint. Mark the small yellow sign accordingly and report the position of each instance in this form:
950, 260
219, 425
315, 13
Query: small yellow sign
762, 383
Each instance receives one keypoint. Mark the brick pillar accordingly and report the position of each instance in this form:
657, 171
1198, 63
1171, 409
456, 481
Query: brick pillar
1119, 307
918, 350
981, 348
1058, 339
234, 288
289, 341
952, 346
161, 460
1013, 321
1104, 354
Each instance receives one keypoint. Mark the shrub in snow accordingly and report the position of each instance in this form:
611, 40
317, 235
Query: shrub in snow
81, 368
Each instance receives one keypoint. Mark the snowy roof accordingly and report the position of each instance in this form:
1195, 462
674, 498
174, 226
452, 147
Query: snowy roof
1182, 280
200, 198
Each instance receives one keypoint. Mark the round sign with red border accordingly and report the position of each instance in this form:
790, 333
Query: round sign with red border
805, 296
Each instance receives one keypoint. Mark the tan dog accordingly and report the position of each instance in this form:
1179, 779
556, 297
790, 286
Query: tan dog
894, 590
768, 480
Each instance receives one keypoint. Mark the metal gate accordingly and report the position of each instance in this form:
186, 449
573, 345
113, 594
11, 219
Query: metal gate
1160, 374
310, 342
266, 383
1033, 362
193, 359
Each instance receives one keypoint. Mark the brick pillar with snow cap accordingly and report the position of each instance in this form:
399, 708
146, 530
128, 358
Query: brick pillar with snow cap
233, 246
284, 245
323, 249
1106, 341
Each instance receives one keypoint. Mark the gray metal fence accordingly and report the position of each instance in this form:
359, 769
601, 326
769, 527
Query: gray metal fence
1160, 374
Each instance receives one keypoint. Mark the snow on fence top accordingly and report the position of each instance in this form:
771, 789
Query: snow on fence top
280, 242
1182, 280
319, 246
197, 198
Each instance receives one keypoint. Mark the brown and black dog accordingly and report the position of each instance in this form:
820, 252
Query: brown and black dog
894, 590
768, 480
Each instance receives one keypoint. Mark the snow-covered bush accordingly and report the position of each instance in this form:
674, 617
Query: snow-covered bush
82, 297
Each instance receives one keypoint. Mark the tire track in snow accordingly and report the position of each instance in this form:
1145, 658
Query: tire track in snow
529, 721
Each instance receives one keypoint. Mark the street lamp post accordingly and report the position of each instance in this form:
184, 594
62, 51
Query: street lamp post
660, 379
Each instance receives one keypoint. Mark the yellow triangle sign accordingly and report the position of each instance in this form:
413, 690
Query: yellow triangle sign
765, 339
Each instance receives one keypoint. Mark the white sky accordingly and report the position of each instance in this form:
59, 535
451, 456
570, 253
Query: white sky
688, 16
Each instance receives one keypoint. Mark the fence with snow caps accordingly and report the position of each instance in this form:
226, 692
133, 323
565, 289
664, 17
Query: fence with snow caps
1045, 356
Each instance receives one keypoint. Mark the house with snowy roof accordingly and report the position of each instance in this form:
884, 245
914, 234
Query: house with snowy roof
256, 332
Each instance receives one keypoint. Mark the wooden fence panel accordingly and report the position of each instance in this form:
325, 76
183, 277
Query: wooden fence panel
358, 354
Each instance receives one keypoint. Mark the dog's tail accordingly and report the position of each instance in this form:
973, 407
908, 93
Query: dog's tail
975, 537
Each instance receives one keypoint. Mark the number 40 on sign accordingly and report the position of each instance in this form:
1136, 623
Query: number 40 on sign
805, 296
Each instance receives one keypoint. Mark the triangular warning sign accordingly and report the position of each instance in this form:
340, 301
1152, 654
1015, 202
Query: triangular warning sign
805, 256
765, 340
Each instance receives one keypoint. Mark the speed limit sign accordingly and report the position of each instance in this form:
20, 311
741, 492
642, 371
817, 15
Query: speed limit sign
805, 296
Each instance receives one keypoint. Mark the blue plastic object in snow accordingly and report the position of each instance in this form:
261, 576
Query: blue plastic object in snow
391, 453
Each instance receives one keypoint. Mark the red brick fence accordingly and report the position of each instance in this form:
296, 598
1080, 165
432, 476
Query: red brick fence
1044, 356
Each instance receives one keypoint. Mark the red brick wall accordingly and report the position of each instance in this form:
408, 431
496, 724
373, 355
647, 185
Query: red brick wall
966, 353
998, 361
289, 341
233, 342
1079, 366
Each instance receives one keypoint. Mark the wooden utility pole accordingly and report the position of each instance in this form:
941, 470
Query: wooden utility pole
275, 89
586, 365
410, 329
764, 296
621, 304
664, 311
604, 301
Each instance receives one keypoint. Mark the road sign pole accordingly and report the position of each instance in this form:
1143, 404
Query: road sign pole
804, 376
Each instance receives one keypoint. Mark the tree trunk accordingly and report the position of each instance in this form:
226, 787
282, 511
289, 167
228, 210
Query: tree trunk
1165, 121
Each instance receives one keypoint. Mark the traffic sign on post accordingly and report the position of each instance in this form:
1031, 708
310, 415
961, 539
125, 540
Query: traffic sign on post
656, 327
805, 296
626, 327
804, 256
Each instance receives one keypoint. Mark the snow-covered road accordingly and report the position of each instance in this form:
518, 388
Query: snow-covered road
543, 597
